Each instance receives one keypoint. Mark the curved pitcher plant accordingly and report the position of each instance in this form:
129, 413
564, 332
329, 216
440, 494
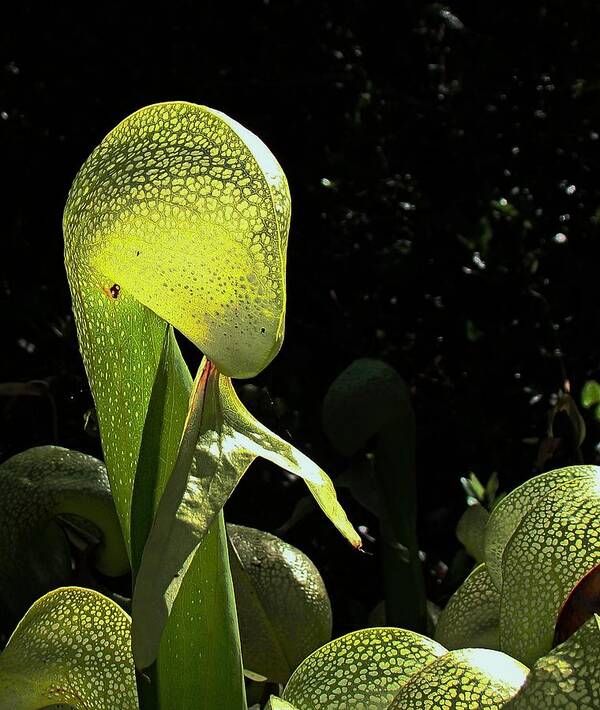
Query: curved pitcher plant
179, 220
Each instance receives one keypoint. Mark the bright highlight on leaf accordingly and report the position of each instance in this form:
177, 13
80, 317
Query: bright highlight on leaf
463, 680
73, 646
187, 212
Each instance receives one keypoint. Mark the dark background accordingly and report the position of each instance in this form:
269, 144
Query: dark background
443, 163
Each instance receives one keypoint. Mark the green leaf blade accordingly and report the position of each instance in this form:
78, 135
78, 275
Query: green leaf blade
514, 507
174, 191
230, 438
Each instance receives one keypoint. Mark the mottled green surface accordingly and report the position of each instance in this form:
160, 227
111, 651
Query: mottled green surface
179, 216
513, 508
568, 677
188, 213
283, 608
362, 670
468, 679
472, 616
276, 703
73, 646
556, 544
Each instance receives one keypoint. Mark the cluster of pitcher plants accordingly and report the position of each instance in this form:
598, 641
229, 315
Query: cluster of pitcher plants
179, 220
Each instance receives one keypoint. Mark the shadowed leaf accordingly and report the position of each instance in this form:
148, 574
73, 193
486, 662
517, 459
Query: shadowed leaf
581, 604
472, 616
283, 607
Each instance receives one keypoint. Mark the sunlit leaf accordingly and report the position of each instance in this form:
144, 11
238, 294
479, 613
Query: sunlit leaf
365, 668
276, 703
179, 216
556, 543
472, 616
229, 440
187, 213
514, 507
568, 677
463, 680
203, 621
73, 646
283, 607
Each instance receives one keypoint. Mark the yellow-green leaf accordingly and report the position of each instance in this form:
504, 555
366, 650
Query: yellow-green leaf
276, 703
513, 508
365, 668
568, 677
463, 680
472, 616
73, 646
283, 607
551, 550
180, 215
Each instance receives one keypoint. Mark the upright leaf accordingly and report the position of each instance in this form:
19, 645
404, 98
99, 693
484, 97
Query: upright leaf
471, 618
369, 404
179, 216
513, 508
229, 439
553, 547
